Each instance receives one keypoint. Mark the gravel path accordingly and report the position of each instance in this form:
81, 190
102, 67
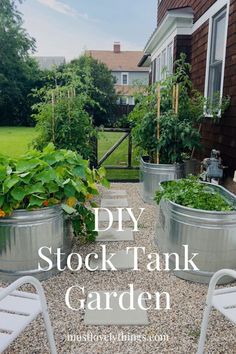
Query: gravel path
181, 324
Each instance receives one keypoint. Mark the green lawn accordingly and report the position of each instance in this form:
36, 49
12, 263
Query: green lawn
119, 157
15, 141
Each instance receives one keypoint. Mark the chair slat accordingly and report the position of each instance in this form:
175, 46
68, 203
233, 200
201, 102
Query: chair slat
20, 305
221, 301
12, 322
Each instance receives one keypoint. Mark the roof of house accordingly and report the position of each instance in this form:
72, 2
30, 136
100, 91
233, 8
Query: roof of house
47, 62
128, 90
122, 61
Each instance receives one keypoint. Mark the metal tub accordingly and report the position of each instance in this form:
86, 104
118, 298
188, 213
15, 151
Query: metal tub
210, 234
152, 174
23, 233
191, 167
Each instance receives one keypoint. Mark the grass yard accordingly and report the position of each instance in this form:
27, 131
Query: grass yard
119, 157
15, 141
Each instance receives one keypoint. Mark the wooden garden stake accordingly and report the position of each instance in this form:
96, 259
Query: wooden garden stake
158, 117
69, 112
177, 99
53, 117
174, 98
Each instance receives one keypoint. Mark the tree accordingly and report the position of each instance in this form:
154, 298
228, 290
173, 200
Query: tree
102, 89
18, 72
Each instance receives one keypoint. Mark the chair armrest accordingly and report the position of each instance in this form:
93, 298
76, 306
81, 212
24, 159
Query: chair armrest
25, 280
214, 280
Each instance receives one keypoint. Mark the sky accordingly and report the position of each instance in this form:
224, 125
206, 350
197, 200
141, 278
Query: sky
68, 27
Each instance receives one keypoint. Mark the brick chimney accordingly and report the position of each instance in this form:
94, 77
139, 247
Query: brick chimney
116, 47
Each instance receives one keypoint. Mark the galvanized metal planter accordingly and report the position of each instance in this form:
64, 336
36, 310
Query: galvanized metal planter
152, 174
210, 234
191, 167
23, 233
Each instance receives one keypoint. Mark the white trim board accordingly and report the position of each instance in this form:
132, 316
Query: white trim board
179, 26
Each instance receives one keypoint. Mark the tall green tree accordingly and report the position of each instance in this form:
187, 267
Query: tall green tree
102, 89
18, 72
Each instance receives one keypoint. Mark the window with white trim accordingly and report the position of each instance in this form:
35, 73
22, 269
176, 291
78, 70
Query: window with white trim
124, 79
215, 75
158, 68
170, 59
124, 100
163, 64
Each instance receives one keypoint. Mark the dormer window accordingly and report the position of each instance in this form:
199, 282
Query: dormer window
125, 79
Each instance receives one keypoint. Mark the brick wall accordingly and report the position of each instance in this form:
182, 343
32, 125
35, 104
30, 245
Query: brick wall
198, 6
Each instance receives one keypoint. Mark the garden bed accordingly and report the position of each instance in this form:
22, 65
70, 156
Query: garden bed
210, 233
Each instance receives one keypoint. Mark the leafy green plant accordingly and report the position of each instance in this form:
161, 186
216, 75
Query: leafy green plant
66, 124
192, 193
179, 133
47, 178
62, 116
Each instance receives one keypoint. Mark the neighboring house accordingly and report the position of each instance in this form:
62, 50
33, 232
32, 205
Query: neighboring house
124, 68
206, 32
47, 63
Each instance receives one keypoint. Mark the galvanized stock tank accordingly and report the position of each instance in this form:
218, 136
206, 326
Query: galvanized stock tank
23, 233
211, 234
152, 174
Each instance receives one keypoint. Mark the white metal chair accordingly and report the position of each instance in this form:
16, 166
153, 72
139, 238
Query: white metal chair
223, 300
18, 309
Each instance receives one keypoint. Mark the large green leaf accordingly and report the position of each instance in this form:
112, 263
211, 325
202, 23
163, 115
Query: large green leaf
69, 190
3, 173
52, 187
9, 182
36, 188
79, 171
46, 176
36, 201
18, 193
54, 157
27, 165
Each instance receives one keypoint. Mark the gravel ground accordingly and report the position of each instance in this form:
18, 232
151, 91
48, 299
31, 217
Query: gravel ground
181, 324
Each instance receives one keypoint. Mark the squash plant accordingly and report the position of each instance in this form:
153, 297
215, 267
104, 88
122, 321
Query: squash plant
47, 178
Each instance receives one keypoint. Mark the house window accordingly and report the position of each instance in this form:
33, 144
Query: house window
170, 59
124, 100
154, 72
158, 65
163, 64
216, 54
125, 78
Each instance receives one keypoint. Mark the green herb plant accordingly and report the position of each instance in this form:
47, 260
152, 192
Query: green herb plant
191, 193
